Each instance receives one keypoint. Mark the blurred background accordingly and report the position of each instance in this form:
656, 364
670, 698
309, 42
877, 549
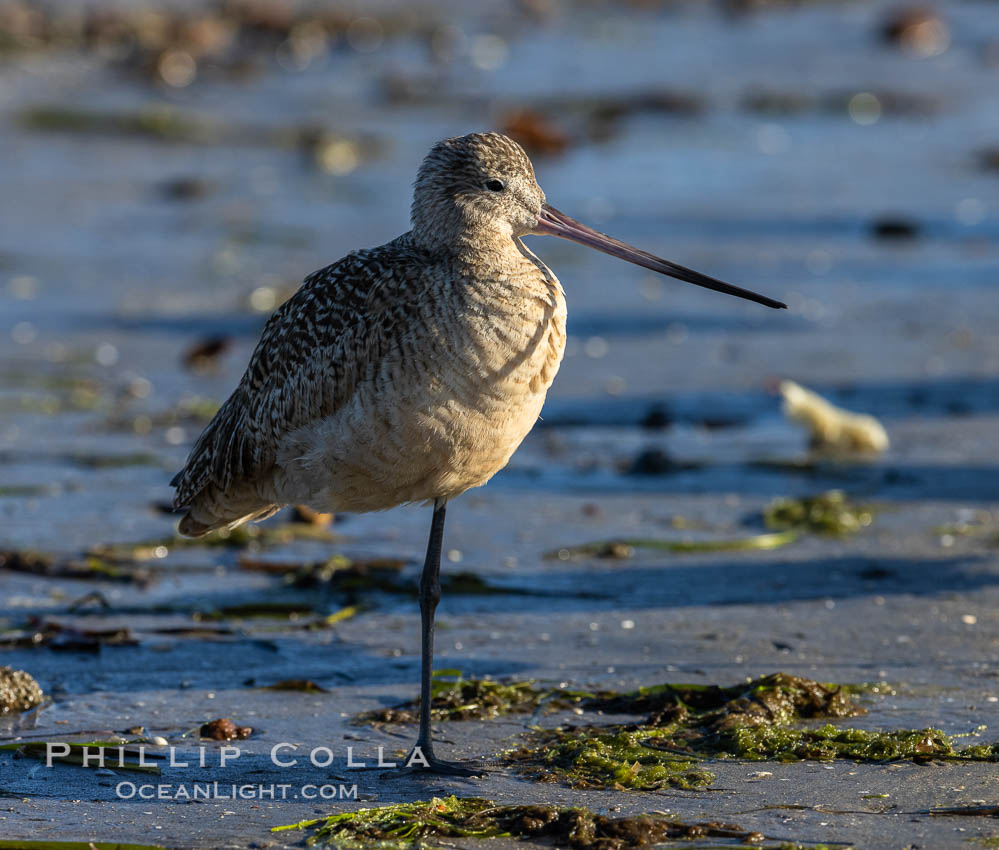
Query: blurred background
171, 171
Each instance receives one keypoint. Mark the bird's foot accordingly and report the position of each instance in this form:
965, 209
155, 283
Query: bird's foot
420, 761
439, 767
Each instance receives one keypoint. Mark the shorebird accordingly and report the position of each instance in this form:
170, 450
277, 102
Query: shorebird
405, 373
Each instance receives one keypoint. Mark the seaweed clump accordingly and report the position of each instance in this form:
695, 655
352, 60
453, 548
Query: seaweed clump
830, 513
778, 698
408, 825
633, 758
756, 724
18, 691
454, 697
827, 742
686, 724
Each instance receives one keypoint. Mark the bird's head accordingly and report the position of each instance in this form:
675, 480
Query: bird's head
479, 190
475, 188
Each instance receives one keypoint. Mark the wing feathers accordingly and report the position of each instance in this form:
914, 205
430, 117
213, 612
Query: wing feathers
308, 361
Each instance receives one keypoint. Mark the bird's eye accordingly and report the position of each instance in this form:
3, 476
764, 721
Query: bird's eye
495, 185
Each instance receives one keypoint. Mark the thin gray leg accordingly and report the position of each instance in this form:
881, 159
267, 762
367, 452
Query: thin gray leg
430, 595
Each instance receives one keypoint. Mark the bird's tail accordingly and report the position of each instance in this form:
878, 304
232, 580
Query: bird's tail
196, 523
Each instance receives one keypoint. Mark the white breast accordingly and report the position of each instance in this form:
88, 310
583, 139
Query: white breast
443, 414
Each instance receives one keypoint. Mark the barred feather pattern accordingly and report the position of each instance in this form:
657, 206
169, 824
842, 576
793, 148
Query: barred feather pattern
391, 376
304, 365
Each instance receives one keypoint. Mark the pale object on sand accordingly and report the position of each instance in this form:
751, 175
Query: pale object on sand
832, 427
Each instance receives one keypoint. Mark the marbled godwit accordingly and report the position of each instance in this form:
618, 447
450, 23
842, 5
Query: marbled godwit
405, 373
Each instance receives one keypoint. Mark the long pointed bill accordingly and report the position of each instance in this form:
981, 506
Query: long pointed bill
555, 223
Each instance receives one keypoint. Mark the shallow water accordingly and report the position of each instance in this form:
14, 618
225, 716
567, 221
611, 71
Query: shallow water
105, 282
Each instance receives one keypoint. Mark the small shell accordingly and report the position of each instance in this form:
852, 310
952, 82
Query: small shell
832, 427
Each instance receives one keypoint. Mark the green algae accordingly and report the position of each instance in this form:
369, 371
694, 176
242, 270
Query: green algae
684, 724
830, 513
861, 688
453, 697
425, 823
348, 612
776, 743
765, 719
637, 758
649, 758
777, 698
625, 547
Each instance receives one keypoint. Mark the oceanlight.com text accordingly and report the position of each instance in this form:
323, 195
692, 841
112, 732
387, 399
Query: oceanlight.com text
224, 791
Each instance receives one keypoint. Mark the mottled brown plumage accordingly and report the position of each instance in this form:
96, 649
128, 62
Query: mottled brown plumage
408, 372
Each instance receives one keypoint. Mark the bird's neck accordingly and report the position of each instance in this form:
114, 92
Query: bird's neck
494, 256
